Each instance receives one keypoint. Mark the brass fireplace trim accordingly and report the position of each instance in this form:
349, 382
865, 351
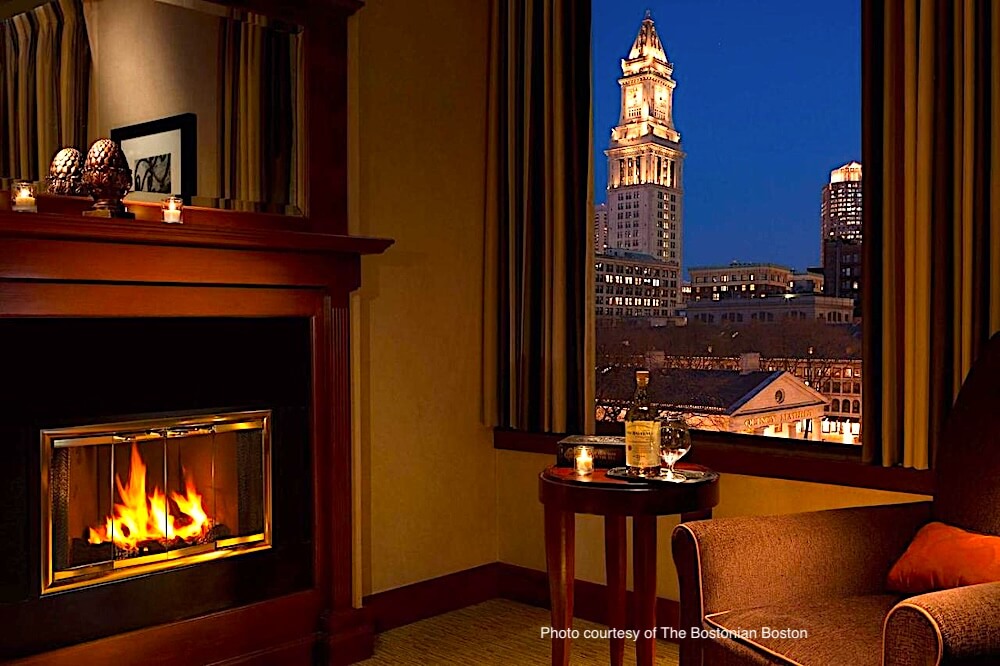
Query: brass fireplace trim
145, 430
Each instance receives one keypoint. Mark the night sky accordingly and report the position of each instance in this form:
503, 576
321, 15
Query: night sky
768, 101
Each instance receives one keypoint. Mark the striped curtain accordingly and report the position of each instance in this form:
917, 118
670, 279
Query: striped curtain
936, 294
44, 87
538, 319
262, 115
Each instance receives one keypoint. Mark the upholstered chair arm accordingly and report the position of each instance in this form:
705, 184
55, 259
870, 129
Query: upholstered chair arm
957, 626
734, 563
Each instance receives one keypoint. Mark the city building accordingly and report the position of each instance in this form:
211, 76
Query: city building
750, 402
749, 280
807, 282
773, 307
632, 285
838, 380
840, 211
600, 228
842, 270
645, 159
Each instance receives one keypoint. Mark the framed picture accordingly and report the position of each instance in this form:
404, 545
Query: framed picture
163, 157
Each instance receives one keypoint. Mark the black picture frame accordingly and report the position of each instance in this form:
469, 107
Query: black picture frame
186, 125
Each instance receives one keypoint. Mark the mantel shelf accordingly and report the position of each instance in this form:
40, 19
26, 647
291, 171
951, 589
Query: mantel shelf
140, 232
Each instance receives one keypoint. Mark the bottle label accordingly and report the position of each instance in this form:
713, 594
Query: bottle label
642, 443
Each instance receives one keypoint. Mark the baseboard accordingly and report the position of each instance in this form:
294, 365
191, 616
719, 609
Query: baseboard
428, 598
395, 608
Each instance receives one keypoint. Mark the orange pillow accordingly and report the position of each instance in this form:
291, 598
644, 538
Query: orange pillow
941, 557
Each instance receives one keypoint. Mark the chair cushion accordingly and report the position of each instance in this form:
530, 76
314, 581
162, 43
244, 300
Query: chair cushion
834, 631
941, 557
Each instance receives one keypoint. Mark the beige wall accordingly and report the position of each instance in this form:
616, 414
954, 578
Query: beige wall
154, 60
427, 493
521, 528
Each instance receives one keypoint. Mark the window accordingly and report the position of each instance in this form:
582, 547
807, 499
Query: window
755, 235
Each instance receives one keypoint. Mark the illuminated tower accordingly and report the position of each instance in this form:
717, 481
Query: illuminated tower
645, 160
840, 211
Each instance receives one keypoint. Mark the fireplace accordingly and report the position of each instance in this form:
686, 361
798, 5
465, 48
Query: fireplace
164, 494
135, 497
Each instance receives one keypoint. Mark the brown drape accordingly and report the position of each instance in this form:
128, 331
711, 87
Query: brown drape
262, 150
538, 319
935, 232
44, 83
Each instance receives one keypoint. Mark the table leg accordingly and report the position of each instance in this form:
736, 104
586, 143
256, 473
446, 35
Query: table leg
615, 554
644, 576
560, 537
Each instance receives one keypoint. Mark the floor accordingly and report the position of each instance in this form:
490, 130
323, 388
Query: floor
496, 632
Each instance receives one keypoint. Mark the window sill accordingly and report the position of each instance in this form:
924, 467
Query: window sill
735, 454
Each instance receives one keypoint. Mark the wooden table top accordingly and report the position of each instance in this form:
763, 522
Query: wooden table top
598, 494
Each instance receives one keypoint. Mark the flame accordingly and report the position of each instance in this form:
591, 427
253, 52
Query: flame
143, 517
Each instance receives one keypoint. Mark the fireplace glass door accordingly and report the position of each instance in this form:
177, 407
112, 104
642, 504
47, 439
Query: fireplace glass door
130, 498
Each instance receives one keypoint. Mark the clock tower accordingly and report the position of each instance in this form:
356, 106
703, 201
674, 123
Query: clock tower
645, 159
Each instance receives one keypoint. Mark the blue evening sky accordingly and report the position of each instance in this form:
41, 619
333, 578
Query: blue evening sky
768, 101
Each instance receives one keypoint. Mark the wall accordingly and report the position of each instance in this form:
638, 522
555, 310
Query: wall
521, 527
154, 60
426, 495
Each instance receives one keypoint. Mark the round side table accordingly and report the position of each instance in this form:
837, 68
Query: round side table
565, 494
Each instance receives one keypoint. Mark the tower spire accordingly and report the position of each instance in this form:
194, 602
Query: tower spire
647, 43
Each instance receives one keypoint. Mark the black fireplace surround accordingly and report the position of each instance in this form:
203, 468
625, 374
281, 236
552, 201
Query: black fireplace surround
65, 372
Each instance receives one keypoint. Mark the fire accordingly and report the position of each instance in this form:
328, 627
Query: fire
142, 517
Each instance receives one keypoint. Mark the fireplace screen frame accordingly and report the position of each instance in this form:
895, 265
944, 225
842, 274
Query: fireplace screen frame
126, 433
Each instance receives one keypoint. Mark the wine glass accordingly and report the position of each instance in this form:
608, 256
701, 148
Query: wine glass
675, 441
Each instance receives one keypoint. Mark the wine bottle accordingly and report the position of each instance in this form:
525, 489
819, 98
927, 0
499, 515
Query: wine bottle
642, 431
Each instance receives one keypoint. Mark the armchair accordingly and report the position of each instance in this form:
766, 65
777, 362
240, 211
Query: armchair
749, 583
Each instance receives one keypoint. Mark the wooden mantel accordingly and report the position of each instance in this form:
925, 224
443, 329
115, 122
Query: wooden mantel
147, 232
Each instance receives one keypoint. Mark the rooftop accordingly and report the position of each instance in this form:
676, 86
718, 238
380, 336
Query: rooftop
704, 391
741, 264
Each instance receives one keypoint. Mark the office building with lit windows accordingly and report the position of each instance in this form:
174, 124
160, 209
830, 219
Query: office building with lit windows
645, 159
749, 280
840, 211
632, 285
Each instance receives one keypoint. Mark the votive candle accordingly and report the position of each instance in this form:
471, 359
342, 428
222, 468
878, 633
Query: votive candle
172, 210
23, 195
584, 462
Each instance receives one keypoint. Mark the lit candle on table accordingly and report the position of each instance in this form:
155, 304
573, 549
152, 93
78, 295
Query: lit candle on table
584, 462
172, 210
24, 197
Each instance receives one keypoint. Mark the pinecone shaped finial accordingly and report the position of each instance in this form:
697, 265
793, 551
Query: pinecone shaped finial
66, 173
108, 178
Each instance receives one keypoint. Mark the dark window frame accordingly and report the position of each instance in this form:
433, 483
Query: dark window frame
803, 460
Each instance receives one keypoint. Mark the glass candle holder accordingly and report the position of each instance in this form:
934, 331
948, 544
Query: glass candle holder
584, 461
22, 197
172, 208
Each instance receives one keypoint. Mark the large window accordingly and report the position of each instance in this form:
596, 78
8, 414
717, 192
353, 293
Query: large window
728, 228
